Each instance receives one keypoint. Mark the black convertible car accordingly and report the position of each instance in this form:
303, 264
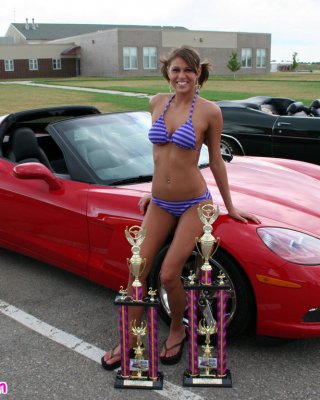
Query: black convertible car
272, 127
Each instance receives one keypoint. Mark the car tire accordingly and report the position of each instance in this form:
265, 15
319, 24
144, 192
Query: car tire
229, 146
240, 300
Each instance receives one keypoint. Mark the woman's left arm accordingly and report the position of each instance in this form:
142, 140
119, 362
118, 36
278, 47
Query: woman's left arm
217, 164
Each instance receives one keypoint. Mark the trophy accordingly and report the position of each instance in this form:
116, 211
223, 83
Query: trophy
206, 362
138, 372
207, 245
207, 370
135, 236
139, 366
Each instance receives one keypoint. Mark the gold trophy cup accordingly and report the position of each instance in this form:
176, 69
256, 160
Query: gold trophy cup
207, 244
135, 236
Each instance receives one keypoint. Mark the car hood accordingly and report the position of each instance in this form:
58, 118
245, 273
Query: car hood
280, 192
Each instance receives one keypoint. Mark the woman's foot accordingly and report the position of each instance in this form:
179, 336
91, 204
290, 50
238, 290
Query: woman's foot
112, 359
173, 347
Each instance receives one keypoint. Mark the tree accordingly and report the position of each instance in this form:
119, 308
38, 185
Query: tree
294, 61
234, 64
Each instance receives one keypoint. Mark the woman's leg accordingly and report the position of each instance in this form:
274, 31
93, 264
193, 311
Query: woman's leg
158, 224
189, 227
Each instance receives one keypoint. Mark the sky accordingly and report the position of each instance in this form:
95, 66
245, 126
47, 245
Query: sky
294, 25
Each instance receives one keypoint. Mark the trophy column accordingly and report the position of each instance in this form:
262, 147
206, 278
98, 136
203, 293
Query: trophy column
138, 372
193, 335
221, 331
153, 336
124, 335
207, 370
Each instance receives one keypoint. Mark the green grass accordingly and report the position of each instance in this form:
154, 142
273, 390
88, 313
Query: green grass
299, 86
17, 98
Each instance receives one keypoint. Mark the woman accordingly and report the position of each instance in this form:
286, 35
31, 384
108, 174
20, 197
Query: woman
180, 124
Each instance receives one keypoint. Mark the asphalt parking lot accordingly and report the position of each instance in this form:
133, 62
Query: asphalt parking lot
55, 326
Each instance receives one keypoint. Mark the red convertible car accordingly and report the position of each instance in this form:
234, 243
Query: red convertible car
70, 183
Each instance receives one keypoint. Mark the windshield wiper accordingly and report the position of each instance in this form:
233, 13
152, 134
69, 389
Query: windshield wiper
134, 179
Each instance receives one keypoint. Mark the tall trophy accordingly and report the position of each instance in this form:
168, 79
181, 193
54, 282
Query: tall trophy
205, 369
139, 371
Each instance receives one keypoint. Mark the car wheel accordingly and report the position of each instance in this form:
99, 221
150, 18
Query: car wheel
240, 299
229, 146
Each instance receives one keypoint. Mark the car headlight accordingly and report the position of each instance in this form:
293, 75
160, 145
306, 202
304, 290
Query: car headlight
293, 246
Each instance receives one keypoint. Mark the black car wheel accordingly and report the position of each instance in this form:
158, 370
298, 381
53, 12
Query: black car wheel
240, 299
230, 146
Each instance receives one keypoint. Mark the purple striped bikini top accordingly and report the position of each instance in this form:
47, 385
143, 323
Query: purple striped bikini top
183, 137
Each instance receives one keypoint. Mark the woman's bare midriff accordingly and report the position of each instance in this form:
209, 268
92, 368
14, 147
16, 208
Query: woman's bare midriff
176, 173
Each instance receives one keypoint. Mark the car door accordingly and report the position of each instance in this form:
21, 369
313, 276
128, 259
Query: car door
252, 128
297, 138
48, 224
110, 211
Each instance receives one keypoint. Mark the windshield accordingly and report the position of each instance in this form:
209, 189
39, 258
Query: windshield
114, 146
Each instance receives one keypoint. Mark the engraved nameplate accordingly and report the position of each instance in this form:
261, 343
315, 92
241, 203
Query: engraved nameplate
136, 382
207, 381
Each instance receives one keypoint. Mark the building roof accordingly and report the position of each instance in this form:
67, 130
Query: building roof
71, 51
41, 31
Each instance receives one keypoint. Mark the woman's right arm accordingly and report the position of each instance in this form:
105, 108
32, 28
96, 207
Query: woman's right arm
144, 202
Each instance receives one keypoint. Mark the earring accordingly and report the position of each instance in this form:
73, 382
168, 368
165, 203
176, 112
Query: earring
198, 87
170, 88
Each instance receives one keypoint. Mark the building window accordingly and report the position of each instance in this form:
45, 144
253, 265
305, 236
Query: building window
130, 59
33, 64
246, 58
8, 65
150, 60
261, 58
56, 63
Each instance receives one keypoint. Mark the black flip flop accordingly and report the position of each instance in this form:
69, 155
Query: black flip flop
176, 357
116, 364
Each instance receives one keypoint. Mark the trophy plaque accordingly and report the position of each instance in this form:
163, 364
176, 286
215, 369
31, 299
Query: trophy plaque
138, 372
207, 370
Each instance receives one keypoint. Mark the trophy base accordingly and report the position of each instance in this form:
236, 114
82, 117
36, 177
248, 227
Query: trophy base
207, 381
143, 383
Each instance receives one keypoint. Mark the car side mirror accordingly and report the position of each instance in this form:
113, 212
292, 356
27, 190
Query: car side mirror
34, 170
